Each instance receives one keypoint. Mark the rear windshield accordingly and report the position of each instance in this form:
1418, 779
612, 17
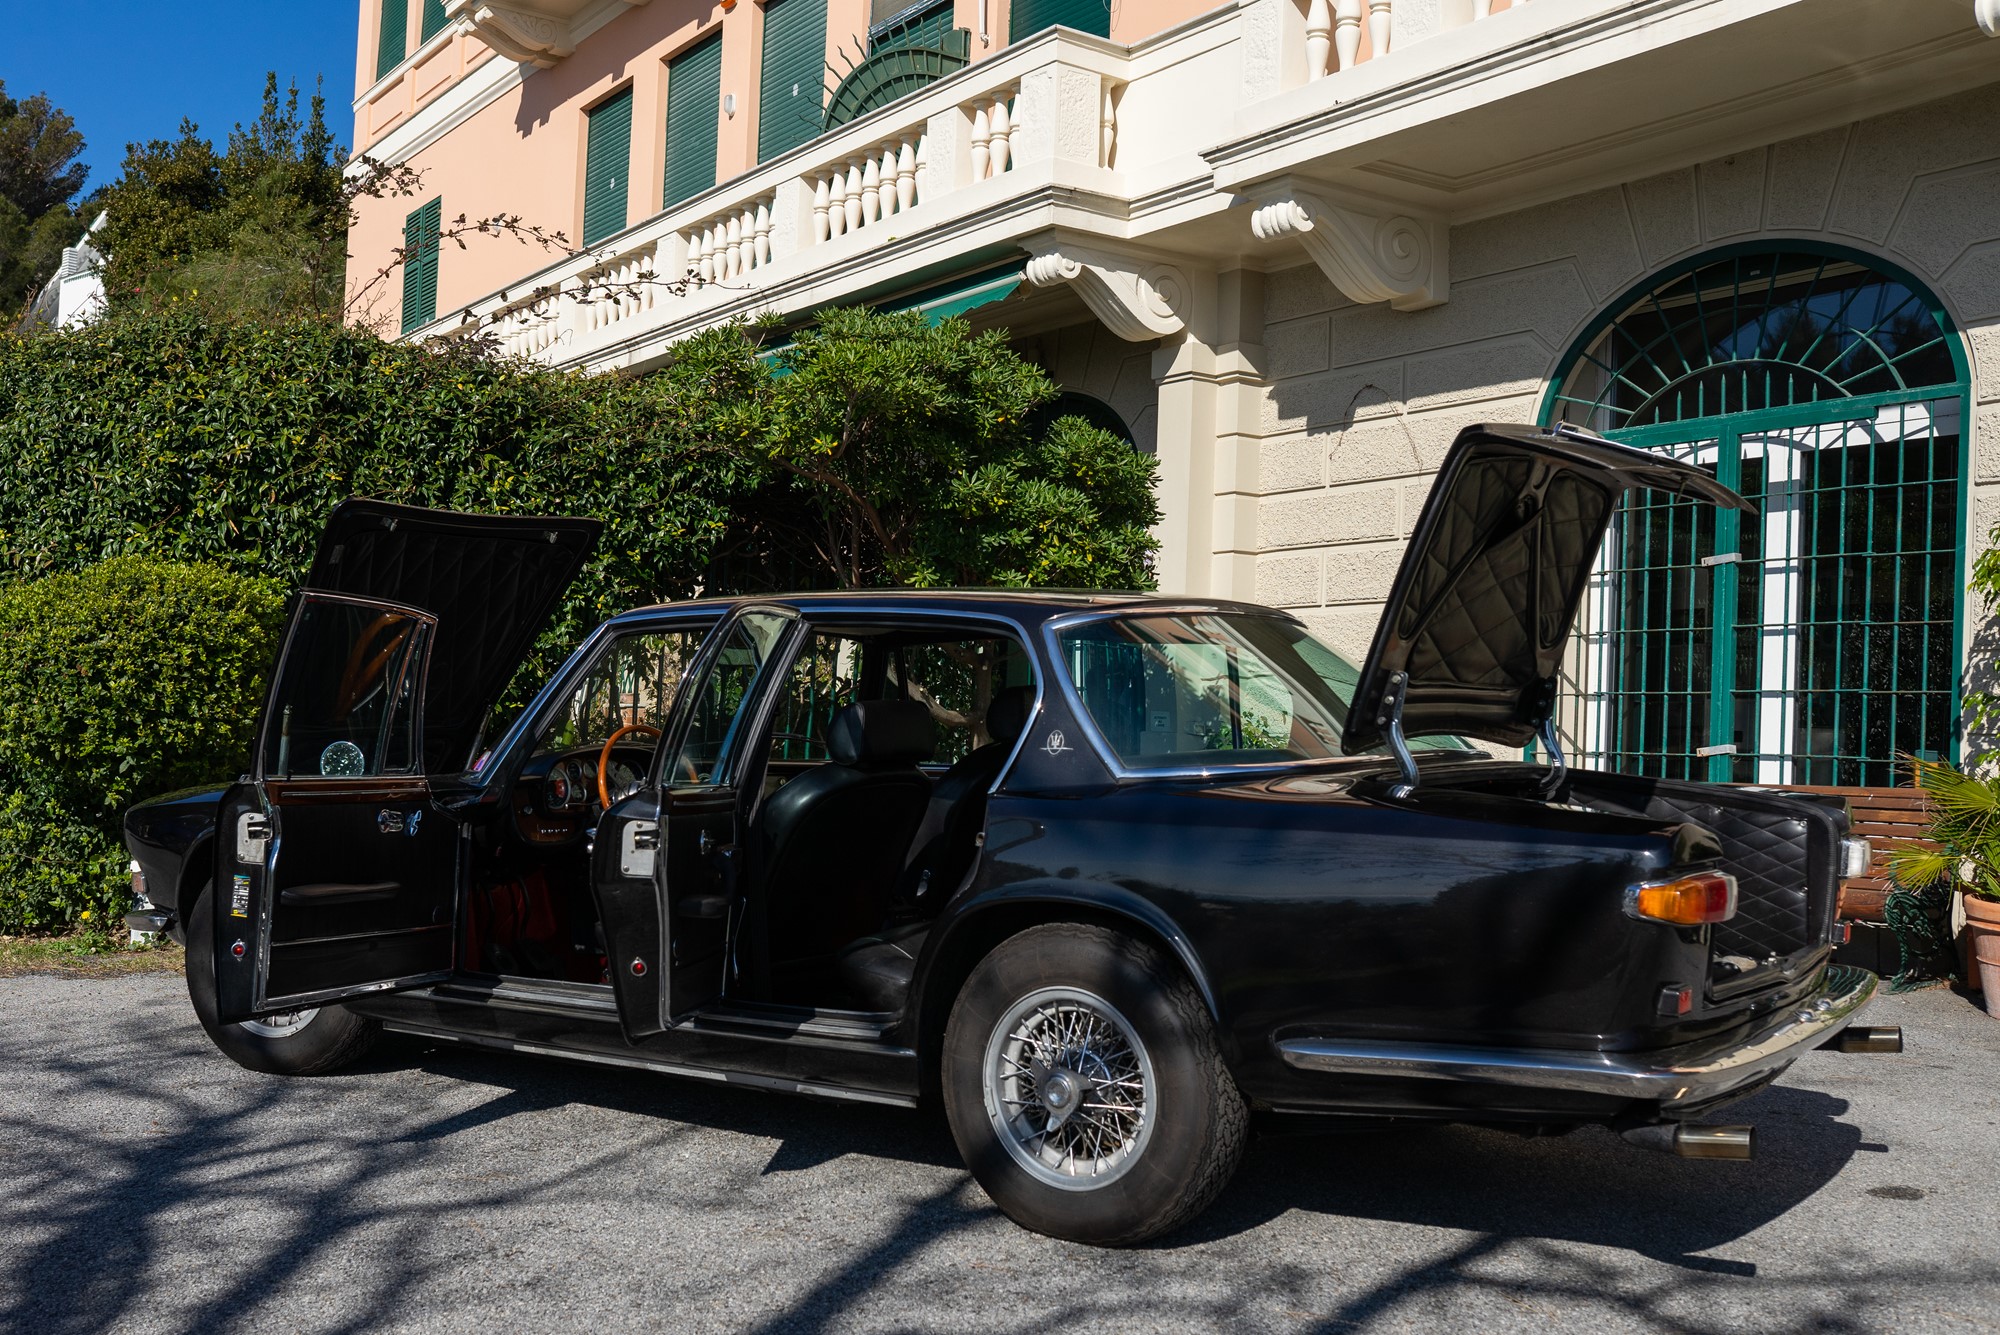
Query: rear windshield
1201, 689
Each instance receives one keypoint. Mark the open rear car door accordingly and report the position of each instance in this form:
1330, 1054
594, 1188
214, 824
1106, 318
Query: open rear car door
666, 862
336, 872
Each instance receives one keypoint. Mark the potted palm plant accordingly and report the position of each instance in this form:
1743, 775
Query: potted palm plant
1962, 849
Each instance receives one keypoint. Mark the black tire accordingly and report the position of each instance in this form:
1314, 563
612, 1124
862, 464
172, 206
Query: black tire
1195, 1118
334, 1037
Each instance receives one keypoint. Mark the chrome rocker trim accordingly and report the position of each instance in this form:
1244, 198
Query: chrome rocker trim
1689, 1074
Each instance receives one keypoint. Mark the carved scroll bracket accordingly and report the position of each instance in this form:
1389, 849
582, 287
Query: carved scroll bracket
1370, 255
1136, 298
538, 34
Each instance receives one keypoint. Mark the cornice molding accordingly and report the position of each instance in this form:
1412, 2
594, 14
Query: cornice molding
1370, 255
1136, 297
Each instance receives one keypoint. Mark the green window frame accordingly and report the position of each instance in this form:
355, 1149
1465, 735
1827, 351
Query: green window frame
791, 88
422, 240
434, 19
607, 163
1817, 639
694, 121
920, 25
1031, 16
393, 42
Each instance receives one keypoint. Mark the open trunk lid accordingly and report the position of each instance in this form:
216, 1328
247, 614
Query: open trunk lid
1473, 634
492, 582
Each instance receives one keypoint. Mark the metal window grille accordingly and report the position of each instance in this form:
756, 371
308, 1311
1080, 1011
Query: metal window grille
1817, 640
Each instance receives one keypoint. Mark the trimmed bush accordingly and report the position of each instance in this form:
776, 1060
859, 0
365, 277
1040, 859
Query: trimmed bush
128, 679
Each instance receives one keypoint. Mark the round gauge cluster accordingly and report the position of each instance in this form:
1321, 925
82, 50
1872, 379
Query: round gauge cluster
568, 786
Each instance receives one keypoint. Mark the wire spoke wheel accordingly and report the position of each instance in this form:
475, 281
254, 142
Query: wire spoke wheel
281, 1026
1070, 1088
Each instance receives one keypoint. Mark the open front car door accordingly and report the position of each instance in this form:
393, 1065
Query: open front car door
666, 872
336, 872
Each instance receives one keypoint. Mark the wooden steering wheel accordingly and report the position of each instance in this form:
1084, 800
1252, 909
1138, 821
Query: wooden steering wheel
604, 758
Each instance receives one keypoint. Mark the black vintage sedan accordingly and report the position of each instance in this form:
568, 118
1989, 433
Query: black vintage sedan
1102, 872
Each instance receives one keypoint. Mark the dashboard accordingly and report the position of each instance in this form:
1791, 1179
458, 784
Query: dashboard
555, 799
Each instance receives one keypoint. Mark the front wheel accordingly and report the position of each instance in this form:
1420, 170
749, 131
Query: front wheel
305, 1042
1085, 1087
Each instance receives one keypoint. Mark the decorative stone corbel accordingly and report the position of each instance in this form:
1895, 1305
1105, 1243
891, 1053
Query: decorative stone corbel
536, 32
1369, 255
1136, 298
1987, 14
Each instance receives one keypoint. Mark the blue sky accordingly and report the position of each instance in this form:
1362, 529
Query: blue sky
129, 71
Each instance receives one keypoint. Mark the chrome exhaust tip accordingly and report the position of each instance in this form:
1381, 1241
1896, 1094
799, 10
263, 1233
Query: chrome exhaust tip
1867, 1038
1715, 1142
1695, 1142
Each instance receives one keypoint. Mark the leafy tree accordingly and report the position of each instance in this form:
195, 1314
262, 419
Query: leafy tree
39, 177
258, 231
904, 453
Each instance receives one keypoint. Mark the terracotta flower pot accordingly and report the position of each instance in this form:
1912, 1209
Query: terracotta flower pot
1982, 949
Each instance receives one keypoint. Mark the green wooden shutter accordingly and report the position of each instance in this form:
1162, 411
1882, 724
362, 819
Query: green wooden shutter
1031, 16
607, 157
420, 267
789, 96
393, 44
434, 19
694, 114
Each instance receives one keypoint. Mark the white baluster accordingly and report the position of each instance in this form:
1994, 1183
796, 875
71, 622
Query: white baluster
761, 250
906, 176
1108, 137
836, 213
982, 139
708, 269
854, 194
1002, 136
871, 190
746, 245
820, 197
887, 189
923, 168
1347, 31
732, 242
1481, 9
1378, 28
1319, 37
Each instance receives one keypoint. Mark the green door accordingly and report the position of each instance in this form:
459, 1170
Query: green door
694, 117
607, 159
434, 18
1031, 16
1817, 640
791, 92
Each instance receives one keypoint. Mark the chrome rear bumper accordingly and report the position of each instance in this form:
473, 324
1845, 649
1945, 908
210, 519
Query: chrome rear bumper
1692, 1073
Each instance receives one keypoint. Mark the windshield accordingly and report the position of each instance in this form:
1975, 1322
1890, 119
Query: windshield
1213, 688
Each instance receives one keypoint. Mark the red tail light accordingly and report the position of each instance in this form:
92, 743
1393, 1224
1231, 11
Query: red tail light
1688, 901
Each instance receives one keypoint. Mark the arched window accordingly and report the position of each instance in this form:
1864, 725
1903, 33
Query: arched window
1817, 640
1093, 410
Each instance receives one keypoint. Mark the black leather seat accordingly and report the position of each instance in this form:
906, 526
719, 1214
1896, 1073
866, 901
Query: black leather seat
835, 838
877, 969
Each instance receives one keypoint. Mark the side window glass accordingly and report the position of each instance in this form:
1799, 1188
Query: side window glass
719, 704
957, 679
347, 698
631, 686
824, 678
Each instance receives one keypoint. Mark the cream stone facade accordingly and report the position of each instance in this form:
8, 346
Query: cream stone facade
1295, 245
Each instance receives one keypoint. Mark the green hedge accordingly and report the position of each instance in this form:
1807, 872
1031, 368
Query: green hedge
128, 679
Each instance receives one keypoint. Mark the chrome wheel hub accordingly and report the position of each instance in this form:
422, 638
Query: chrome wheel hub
1069, 1088
281, 1026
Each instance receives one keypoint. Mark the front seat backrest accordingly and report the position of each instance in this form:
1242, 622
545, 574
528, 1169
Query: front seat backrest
945, 842
835, 837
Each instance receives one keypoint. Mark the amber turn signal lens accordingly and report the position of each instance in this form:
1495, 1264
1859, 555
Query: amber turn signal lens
1689, 901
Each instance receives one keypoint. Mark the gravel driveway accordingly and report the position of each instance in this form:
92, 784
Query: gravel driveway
148, 1184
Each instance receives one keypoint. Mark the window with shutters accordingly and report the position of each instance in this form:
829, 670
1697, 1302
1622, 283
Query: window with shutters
694, 113
607, 158
1031, 16
791, 94
925, 24
434, 19
421, 243
393, 44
